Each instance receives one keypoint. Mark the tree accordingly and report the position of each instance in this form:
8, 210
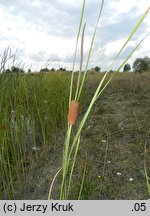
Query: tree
8, 71
127, 67
141, 64
52, 69
97, 69
147, 59
44, 70
16, 70
62, 69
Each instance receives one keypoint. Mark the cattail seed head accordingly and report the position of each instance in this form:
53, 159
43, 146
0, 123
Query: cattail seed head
73, 112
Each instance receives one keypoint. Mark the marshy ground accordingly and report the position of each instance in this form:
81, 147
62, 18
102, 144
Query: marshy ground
111, 144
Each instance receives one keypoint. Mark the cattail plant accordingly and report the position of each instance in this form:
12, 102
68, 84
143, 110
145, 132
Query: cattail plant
72, 144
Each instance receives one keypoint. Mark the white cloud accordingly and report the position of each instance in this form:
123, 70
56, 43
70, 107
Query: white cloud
122, 6
126, 6
70, 2
113, 47
49, 28
36, 3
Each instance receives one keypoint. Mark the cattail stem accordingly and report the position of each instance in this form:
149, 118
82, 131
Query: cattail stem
81, 61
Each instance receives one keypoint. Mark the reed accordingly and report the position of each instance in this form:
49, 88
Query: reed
31, 113
72, 145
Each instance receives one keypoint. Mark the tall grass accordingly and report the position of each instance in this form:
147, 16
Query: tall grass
72, 145
32, 109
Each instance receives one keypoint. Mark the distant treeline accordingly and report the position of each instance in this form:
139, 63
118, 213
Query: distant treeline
8, 58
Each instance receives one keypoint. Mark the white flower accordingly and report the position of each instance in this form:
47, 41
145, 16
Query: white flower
109, 162
103, 141
45, 101
130, 179
34, 148
118, 173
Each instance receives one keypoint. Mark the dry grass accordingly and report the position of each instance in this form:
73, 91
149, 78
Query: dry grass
120, 121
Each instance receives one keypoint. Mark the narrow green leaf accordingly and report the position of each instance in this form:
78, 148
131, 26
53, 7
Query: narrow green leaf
124, 62
77, 40
82, 182
131, 35
81, 62
90, 51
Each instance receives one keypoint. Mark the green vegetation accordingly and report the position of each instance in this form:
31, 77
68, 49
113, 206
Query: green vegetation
32, 109
33, 125
141, 64
127, 67
97, 69
32, 137
31, 146
72, 146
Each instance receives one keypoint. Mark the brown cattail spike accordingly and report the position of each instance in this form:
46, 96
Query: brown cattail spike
73, 112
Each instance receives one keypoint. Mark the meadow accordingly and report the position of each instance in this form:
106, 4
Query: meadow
73, 136
114, 143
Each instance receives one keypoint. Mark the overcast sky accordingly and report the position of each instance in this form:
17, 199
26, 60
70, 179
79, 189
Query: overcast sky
46, 30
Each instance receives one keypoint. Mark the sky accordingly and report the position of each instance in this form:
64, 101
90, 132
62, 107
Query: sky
43, 32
